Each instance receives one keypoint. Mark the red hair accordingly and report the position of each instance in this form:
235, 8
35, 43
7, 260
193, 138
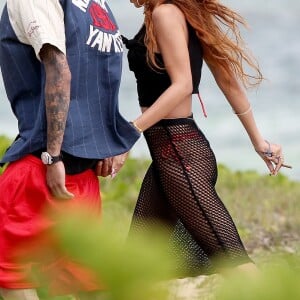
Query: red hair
217, 27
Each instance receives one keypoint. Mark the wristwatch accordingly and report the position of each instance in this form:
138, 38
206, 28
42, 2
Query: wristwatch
47, 159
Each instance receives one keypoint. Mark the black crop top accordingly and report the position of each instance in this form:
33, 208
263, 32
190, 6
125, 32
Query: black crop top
151, 82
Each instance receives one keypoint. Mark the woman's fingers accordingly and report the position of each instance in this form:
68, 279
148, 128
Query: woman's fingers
117, 163
273, 156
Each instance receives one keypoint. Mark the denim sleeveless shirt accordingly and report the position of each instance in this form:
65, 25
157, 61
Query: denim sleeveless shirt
95, 128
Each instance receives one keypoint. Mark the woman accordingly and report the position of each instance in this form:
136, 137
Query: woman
179, 188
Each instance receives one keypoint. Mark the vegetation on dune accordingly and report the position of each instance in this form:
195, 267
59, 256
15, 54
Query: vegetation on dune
264, 208
4, 144
266, 212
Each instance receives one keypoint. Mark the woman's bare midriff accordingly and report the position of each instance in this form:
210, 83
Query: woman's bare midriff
183, 110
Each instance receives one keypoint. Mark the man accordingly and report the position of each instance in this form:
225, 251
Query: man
61, 65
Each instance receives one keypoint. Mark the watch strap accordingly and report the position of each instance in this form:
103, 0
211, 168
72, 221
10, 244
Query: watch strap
56, 159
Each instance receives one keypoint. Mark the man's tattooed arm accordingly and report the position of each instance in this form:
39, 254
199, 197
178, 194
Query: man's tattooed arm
57, 99
57, 95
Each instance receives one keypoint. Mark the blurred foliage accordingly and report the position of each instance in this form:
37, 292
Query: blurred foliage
264, 208
279, 280
129, 270
4, 144
125, 186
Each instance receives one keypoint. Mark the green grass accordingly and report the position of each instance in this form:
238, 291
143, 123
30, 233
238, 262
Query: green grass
4, 144
264, 208
266, 211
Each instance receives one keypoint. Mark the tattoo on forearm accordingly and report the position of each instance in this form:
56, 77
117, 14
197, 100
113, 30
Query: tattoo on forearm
57, 96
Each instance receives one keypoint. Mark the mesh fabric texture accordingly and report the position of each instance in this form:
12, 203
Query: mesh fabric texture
179, 192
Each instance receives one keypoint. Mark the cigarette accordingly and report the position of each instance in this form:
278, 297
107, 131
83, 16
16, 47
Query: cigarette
287, 166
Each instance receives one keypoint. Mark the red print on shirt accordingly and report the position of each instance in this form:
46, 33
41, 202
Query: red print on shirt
101, 18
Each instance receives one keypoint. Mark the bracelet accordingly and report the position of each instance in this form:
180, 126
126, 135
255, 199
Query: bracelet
133, 123
245, 112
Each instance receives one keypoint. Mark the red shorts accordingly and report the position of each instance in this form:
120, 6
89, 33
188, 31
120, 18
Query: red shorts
24, 198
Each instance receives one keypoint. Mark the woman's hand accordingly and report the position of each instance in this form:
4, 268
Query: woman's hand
117, 163
272, 156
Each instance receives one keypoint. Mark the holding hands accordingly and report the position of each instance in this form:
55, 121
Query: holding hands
111, 165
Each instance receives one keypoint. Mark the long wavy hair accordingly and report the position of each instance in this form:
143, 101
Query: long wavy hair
217, 27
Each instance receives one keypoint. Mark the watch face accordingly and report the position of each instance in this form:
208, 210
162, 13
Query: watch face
46, 158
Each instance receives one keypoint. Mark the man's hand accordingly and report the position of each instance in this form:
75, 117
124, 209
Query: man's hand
56, 178
111, 165
104, 167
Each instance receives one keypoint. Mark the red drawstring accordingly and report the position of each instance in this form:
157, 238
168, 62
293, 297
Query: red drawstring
202, 106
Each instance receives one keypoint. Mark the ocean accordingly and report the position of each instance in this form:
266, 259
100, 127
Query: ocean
273, 37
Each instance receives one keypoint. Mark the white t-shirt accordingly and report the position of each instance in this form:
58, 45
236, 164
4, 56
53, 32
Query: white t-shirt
38, 22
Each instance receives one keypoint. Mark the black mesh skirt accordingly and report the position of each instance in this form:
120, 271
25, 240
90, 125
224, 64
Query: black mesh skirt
178, 191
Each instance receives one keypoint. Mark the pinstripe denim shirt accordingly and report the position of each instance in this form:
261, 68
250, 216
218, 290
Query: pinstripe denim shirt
95, 128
